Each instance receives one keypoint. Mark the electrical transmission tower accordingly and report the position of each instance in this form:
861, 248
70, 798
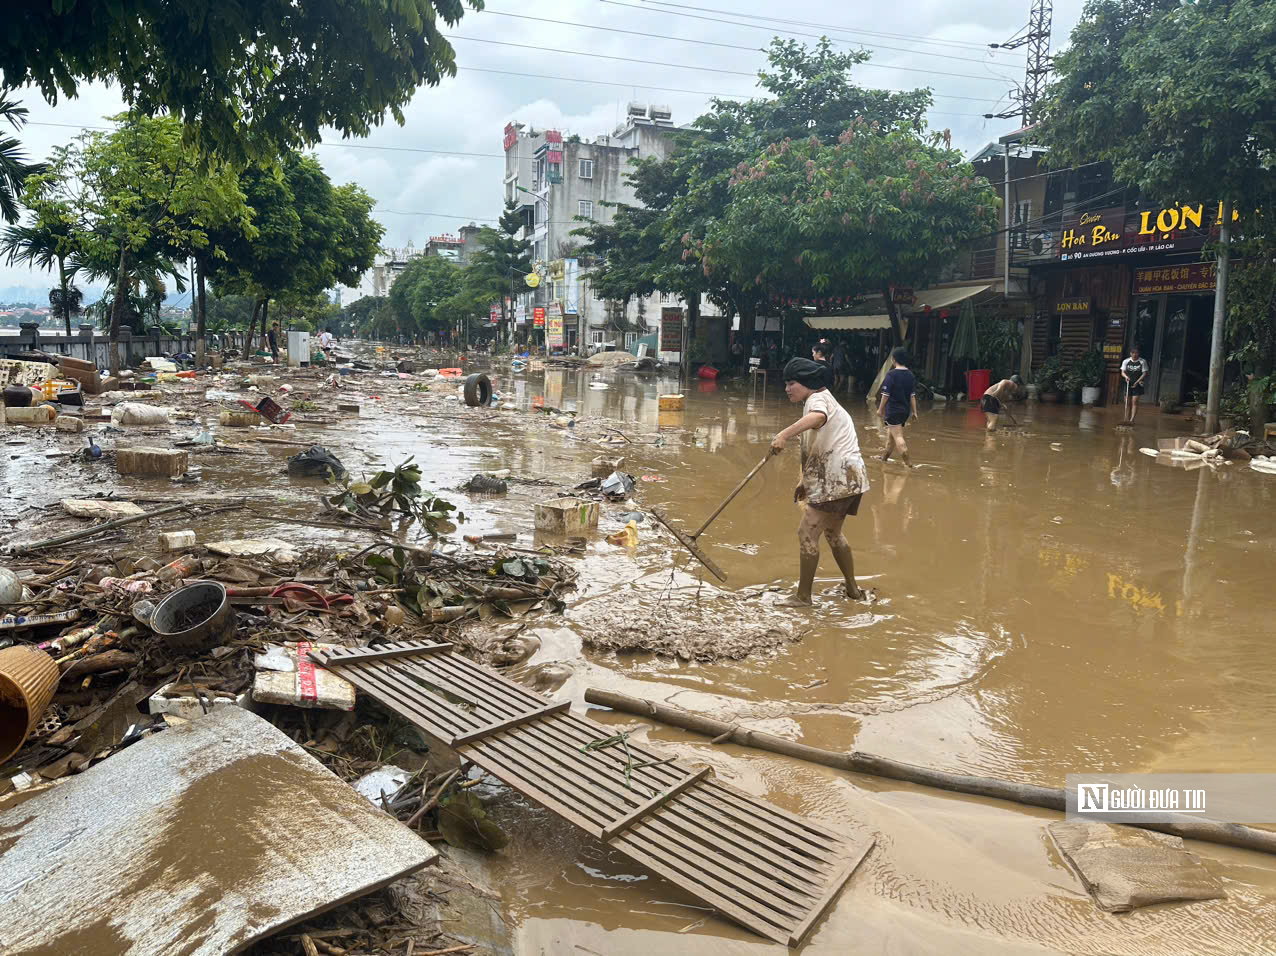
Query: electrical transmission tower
1036, 37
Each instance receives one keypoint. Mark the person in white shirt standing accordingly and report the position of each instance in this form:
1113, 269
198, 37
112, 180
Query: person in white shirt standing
1134, 370
326, 340
833, 476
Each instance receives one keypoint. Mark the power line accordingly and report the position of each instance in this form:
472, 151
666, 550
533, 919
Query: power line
702, 42
960, 44
703, 69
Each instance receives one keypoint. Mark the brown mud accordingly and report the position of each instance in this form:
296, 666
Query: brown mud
1050, 602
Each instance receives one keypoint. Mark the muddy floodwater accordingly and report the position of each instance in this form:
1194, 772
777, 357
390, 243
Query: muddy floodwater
1050, 602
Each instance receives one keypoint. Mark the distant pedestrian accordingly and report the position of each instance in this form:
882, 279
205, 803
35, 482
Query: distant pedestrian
819, 353
1134, 370
272, 337
841, 367
898, 404
993, 402
737, 355
326, 341
833, 476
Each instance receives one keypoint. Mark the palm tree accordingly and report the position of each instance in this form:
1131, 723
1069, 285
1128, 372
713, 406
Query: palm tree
45, 244
67, 300
14, 169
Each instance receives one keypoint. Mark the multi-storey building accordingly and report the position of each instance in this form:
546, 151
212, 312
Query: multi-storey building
560, 182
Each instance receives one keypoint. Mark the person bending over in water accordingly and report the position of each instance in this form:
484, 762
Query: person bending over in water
833, 476
898, 404
993, 402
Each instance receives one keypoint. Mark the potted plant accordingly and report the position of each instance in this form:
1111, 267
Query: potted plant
1090, 369
1047, 378
1070, 385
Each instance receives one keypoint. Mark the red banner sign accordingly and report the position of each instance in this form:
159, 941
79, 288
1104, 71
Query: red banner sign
511, 135
553, 136
538, 317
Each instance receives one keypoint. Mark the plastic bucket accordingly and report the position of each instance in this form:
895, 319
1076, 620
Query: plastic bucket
707, 372
977, 382
28, 678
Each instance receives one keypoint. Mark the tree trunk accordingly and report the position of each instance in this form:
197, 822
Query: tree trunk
200, 322
252, 327
898, 333
66, 305
265, 317
748, 319
1215, 395
117, 308
689, 332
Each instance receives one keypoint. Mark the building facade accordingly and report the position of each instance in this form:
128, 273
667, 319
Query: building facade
561, 182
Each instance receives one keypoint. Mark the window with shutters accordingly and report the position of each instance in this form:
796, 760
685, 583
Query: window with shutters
585, 208
586, 169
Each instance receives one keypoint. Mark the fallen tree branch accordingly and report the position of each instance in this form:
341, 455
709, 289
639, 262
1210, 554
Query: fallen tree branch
1051, 798
105, 526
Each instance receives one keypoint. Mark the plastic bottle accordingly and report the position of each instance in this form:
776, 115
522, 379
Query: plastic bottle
180, 568
93, 451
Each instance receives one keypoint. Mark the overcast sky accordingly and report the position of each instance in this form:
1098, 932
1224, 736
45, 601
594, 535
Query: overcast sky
420, 193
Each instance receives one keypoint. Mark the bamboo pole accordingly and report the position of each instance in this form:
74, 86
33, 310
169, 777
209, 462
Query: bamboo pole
105, 526
1050, 798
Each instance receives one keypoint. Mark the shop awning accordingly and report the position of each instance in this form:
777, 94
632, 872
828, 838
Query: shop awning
843, 323
942, 298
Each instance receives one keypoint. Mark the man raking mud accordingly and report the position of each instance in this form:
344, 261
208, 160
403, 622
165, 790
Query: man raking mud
833, 476
993, 404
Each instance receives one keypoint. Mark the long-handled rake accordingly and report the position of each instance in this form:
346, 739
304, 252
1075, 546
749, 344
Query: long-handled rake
688, 541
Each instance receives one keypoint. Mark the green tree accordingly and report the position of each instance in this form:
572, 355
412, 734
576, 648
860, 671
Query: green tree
416, 294
14, 169
685, 196
1182, 126
503, 260
66, 301
310, 235
872, 209
138, 195
249, 79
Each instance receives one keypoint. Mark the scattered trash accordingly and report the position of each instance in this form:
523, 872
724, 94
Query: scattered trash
28, 678
251, 547
1123, 868
637, 517
382, 783
190, 702
654, 478
99, 508
195, 617
671, 403
617, 485
627, 536
175, 540
602, 466
486, 484
229, 419
286, 675
10, 587
138, 413
316, 462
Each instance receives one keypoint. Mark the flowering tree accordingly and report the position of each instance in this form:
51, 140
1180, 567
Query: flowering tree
878, 207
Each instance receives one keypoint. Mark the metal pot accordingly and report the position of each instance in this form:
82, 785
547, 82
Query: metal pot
194, 618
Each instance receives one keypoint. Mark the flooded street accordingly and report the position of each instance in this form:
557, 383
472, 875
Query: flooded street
1050, 601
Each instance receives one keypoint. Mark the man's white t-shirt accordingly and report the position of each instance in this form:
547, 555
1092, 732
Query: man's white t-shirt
832, 466
325, 340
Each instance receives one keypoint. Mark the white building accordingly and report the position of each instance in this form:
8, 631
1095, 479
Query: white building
557, 181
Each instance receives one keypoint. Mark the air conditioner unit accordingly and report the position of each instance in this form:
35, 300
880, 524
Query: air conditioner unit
1041, 244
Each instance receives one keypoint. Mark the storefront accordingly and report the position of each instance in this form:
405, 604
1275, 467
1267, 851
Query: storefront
1131, 276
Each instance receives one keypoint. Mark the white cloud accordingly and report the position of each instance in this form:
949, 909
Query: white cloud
467, 113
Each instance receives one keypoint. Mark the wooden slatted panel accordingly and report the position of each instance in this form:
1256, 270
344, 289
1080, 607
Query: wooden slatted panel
757, 864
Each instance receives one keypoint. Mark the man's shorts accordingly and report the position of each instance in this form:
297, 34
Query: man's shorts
990, 404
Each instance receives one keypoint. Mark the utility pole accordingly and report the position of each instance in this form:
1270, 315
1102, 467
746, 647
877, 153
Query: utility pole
1036, 37
1214, 396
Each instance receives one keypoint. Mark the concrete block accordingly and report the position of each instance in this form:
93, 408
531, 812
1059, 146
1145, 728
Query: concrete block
566, 515
160, 462
176, 540
70, 424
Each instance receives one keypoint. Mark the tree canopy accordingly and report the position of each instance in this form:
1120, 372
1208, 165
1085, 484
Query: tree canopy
1178, 97
688, 197
14, 169
250, 80
416, 294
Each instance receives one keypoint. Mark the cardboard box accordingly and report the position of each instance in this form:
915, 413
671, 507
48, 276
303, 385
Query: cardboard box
160, 462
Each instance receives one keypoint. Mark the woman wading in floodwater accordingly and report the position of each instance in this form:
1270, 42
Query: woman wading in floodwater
833, 476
